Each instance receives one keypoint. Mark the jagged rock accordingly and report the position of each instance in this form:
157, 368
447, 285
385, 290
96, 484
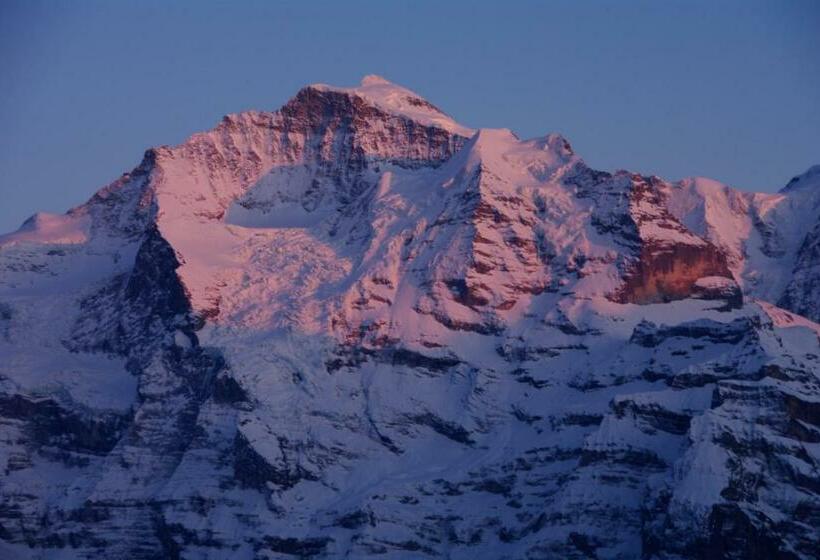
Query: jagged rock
353, 327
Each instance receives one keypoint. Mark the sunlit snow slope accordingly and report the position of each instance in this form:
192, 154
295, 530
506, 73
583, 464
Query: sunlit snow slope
356, 328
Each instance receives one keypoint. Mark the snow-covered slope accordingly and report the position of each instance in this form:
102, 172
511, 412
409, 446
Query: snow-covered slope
353, 327
767, 238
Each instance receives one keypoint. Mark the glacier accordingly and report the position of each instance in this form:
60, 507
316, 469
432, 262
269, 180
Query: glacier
353, 327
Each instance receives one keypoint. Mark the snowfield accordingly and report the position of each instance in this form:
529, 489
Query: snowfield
355, 328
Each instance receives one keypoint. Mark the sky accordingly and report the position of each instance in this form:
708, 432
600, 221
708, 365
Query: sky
728, 90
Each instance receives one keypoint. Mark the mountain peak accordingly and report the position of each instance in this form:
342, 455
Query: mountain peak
374, 79
399, 100
530, 161
493, 140
809, 179
333, 330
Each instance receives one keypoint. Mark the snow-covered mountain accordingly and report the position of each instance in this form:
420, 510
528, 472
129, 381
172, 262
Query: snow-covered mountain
354, 327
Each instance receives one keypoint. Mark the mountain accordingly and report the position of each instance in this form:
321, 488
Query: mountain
355, 328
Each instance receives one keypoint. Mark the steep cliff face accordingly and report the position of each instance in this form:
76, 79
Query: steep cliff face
353, 327
766, 238
671, 258
801, 294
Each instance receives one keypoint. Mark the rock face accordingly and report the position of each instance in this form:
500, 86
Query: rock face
671, 259
803, 292
353, 327
766, 239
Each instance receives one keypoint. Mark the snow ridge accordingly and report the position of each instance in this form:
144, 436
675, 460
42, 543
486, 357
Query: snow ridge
353, 327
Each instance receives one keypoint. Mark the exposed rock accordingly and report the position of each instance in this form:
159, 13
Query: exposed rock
353, 327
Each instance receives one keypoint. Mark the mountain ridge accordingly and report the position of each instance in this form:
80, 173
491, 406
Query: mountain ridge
353, 327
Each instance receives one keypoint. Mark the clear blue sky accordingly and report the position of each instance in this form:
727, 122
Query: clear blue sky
728, 89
